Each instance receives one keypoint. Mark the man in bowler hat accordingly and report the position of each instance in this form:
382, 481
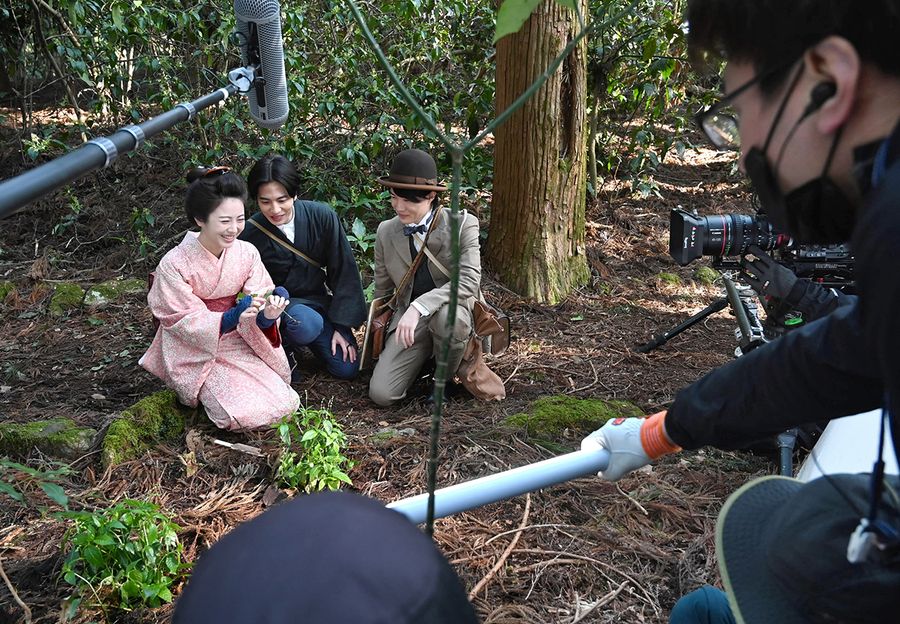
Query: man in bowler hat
418, 328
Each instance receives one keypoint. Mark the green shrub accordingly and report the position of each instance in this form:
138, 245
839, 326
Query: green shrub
320, 463
125, 556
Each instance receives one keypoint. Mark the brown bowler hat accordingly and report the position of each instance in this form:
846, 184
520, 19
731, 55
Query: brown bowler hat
413, 169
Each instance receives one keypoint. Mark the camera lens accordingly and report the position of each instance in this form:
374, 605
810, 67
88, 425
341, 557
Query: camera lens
691, 236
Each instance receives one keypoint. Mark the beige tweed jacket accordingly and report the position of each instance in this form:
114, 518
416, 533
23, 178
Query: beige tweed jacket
392, 260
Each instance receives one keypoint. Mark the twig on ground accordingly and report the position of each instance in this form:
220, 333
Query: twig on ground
573, 558
12, 590
593, 383
631, 498
533, 526
512, 374
243, 448
603, 601
512, 544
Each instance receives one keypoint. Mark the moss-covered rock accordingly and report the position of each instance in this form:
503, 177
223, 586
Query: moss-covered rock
388, 435
669, 278
111, 290
59, 437
156, 418
66, 296
6, 287
706, 275
550, 417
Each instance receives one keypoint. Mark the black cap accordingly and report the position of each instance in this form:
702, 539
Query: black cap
782, 549
325, 558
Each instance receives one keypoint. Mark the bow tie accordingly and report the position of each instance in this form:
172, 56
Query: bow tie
409, 230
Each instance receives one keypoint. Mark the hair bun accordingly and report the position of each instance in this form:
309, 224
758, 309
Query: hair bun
196, 173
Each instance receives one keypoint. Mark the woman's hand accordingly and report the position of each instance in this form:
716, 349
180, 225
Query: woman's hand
406, 328
253, 309
274, 306
347, 349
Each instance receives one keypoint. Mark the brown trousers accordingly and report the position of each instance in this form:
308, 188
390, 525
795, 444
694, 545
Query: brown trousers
397, 368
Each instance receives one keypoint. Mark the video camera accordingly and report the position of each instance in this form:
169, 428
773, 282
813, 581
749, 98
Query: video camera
692, 236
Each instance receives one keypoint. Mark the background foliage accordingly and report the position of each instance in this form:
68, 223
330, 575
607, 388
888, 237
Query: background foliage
112, 62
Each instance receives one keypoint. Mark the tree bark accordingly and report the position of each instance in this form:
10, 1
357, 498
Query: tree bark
536, 240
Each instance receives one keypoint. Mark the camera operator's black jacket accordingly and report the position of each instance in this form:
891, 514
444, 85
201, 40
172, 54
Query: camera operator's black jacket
845, 363
813, 300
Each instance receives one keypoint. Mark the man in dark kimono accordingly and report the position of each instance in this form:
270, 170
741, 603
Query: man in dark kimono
304, 247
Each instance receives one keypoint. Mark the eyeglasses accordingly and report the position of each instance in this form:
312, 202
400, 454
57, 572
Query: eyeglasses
719, 122
223, 169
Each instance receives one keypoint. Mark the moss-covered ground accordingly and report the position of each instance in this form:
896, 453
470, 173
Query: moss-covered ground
59, 437
66, 296
552, 416
156, 418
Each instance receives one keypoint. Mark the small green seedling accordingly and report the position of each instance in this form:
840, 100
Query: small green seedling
320, 463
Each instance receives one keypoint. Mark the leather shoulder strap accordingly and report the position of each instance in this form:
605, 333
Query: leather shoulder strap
431, 256
284, 244
404, 282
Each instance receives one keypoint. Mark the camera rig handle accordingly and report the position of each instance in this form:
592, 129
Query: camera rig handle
750, 332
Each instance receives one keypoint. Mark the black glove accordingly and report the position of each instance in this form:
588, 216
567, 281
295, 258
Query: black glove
231, 317
816, 301
767, 277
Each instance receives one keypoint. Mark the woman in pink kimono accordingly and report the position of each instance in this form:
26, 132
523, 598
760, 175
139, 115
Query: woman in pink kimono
208, 348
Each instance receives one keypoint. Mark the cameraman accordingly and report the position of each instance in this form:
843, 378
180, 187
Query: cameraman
816, 85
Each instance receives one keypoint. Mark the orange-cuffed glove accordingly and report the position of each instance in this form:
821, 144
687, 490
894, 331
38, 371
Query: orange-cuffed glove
632, 443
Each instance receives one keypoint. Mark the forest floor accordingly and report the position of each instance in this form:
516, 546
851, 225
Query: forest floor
588, 551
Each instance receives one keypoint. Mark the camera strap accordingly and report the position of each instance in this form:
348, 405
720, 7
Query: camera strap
875, 535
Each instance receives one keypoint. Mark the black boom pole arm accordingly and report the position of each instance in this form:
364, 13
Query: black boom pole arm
17, 192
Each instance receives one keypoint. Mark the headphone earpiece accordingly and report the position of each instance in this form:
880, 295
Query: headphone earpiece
820, 94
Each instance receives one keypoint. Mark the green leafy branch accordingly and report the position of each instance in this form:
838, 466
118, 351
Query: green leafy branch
125, 556
320, 464
18, 479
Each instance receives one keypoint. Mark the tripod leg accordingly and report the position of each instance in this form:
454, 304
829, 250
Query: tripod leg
661, 339
786, 442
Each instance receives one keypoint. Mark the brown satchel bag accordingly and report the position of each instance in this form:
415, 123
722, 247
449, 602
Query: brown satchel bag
380, 325
476, 377
491, 323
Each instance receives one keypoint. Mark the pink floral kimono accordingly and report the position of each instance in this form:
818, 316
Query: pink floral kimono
240, 377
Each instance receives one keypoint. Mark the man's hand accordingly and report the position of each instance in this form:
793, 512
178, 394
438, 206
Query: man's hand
766, 276
632, 443
347, 350
231, 317
406, 328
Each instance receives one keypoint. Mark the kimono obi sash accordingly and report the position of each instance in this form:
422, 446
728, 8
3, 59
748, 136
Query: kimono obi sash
219, 305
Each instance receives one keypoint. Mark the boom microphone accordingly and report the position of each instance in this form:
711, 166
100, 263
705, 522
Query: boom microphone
503, 485
259, 26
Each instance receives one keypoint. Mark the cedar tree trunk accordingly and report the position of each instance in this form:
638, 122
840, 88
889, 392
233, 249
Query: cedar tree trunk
536, 240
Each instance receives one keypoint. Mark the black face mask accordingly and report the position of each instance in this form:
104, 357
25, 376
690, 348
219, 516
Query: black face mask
816, 213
